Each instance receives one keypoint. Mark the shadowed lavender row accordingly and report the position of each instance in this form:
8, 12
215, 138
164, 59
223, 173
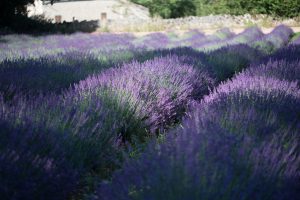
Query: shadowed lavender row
50, 143
56, 72
58, 139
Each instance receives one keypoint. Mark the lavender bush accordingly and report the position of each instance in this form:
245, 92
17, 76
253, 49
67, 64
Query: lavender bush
158, 90
204, 161
73, 106
220, 64
289, 53
246, 37
219, 36
153, 41
231, 59
240, 142
54, 141
86, 124
191, 38
263, 99
275, 40
33, 163
16, 45
47, 74
279, 69
56, 72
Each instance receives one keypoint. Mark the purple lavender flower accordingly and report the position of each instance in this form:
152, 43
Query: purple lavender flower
240, 142
49, 142
158, 90
280, 69
202, 160
153, 41
275, 40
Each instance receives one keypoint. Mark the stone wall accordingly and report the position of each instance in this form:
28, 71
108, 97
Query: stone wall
206, 22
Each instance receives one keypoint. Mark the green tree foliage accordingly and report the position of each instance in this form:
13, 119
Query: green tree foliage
181, 8
169, 8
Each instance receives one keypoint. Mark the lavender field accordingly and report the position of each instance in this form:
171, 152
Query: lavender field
161, 116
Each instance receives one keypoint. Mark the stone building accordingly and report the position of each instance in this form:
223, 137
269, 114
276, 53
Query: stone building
69, 10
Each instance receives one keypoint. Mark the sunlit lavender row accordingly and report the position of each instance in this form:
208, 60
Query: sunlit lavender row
160, 116
24, 46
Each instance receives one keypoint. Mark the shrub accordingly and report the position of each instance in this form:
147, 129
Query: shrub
51, 73
275, 40
33, 163
246, 37
261, 98
49, 143
240, 142
153, 41
181, 8
227, 61
289, 53
169, 8
158, 89
279, 69
197, 39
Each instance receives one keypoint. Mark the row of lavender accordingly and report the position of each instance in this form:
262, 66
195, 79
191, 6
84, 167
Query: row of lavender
59, 139
28, 66
239, 142
23, 46
52, 143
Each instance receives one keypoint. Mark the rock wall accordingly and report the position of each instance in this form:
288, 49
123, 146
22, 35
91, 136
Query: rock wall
206, 22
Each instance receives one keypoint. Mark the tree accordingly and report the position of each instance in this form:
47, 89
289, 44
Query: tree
181, 8
11, 8
169, 8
